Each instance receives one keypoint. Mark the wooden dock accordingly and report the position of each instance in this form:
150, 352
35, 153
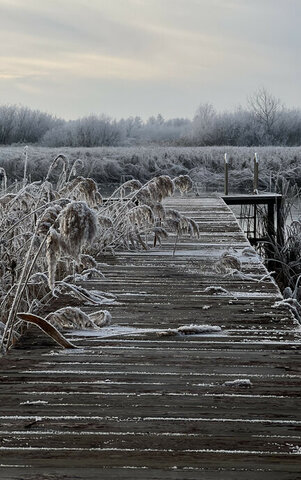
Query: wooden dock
130, 404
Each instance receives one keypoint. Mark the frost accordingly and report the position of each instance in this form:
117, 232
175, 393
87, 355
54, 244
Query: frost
93, 297
249, 252
216, 290
189, 330
228, 263
78, 225
88, 274
34, 402
292, 305
244, 382
74, 318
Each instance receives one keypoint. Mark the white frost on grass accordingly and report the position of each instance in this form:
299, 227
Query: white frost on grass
255, 294
2, 327
70, 291
34, 402
189, 330
67, 351
240, 382
216, 290
113, 331
292, 305
117, 330
88, 274
249, 252
129, 294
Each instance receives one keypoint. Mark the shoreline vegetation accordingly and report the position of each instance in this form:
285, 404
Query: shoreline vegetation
51, 209
54, 235
205, 165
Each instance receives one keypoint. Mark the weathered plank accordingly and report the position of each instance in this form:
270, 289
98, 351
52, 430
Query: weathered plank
129, 404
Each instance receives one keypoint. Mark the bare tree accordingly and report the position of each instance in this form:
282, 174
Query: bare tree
203, 124
266, 109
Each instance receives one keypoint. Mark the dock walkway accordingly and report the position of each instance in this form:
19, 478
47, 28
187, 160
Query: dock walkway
129, 404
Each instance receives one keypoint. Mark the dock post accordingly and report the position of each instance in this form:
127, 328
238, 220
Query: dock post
255, 221
271, 220
280, 222
270, 245
255, 182
226, 186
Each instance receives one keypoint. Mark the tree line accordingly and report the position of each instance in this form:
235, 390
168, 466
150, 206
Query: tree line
264, 121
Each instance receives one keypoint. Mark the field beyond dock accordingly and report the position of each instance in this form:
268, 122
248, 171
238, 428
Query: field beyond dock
133, 402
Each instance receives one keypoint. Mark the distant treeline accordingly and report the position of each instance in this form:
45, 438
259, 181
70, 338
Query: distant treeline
265, 121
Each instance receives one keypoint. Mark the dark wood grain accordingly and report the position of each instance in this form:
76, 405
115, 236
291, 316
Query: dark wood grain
133, 405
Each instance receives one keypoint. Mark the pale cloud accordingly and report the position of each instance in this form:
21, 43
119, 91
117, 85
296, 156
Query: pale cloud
180, 52
83, 66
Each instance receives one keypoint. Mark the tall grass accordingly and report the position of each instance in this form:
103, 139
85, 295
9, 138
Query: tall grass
203, 164
55, 230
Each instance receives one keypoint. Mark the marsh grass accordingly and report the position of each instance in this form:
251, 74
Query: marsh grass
53, 233
204, 165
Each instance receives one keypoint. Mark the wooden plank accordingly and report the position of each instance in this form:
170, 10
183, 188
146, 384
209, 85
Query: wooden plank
131, 404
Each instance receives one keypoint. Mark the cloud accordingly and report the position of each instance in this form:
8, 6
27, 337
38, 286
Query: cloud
82, 65
218, 48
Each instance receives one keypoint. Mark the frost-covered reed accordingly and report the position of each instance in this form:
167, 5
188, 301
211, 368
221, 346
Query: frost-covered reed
53, 234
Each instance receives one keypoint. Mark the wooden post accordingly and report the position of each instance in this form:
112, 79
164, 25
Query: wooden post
271, 220
226, 186
269, 249
255, 182
25, 153
255, 222
280, 222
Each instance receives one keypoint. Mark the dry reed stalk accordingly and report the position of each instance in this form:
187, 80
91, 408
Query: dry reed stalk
61, 157
183, 183
48, 217
227, 263
161, 187
7, 198
47, 328
68, 228
159, 234
78, 225
75, 318
86, 261
69, 318
25, 217
23, 280
69, 187
101, 318
73, 170
4, 180
54, 244
81, 294
129, 185
25, 153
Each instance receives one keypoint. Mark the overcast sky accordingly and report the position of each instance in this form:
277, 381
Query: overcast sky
142, 57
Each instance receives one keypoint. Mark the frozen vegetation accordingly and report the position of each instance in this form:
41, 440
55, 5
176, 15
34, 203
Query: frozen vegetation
54, 231
205, 165
263, 121
240, 382
189, 330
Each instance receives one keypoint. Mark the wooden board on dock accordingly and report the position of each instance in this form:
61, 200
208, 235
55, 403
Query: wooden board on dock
130, 404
